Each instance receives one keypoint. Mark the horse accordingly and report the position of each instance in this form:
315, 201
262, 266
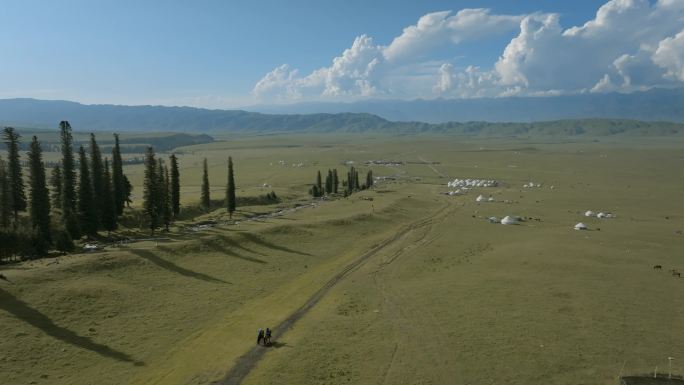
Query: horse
657, 267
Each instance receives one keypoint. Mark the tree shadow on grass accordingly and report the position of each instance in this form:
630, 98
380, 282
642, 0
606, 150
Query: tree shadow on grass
260, 241
217, 246
24, 312
233, 243
170, 266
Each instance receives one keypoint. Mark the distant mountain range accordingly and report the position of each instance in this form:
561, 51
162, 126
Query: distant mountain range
569, 119
652, 105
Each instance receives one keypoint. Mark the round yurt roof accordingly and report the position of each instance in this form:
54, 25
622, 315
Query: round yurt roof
508, 220
580, 226
589, 213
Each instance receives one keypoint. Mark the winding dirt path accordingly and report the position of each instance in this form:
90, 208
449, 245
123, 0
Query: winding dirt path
248, 361
429, 164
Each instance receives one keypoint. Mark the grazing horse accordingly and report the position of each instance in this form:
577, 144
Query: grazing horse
657, 267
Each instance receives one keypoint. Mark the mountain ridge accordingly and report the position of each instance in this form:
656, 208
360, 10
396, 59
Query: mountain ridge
43, 114
657, 104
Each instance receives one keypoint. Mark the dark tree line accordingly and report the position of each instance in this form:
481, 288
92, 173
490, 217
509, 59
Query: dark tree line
73, 204
86, 193
332, 183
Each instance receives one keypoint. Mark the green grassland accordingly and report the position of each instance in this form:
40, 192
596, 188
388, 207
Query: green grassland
445, 297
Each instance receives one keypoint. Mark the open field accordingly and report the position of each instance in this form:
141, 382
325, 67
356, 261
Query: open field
433, 293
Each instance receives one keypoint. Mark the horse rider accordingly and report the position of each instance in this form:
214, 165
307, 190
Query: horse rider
267, 337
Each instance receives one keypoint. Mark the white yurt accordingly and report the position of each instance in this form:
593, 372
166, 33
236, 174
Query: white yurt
601, 215
494, 220
480, 198
580, 226
589, 213
508, 220
490, 199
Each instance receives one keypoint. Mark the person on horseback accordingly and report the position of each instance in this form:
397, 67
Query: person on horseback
267, 337
260, 336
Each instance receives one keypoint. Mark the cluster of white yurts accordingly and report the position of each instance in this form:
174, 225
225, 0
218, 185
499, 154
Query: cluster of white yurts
600, 215
462, 186
592, 214
472, 183
507, 220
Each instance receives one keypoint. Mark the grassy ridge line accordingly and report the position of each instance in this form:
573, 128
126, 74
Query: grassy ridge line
246, 362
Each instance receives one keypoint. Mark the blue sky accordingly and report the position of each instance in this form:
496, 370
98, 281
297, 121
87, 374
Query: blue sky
214, 53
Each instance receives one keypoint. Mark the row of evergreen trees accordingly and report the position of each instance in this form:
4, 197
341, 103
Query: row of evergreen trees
161, 195
82, 202
332, 185
74, 208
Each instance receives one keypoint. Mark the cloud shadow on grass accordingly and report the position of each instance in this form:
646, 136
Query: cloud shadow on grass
33, 317
170, 266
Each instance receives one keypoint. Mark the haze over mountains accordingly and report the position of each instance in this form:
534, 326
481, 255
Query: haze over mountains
599, 114
652, 105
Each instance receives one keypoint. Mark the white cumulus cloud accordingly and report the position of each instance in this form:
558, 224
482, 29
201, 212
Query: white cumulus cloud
439, 29
629, 45
670, 55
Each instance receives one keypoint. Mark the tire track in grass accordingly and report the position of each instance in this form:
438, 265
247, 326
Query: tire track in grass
244, 365
401, 321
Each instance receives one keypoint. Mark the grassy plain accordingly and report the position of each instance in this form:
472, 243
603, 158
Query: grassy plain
455, 299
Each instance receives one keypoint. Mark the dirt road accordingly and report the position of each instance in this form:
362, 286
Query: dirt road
249, 360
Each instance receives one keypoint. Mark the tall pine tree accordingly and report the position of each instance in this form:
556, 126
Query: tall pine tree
69, 218
5, 196
206, 199
14, 170
56, 183
39, 201
175, 187
128, 190
118, 182
161, 201
329, 182
319, 183
150, 191
87, 215
96, 175
369, 179
165, 186
230, 189
108, 206
336, 181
